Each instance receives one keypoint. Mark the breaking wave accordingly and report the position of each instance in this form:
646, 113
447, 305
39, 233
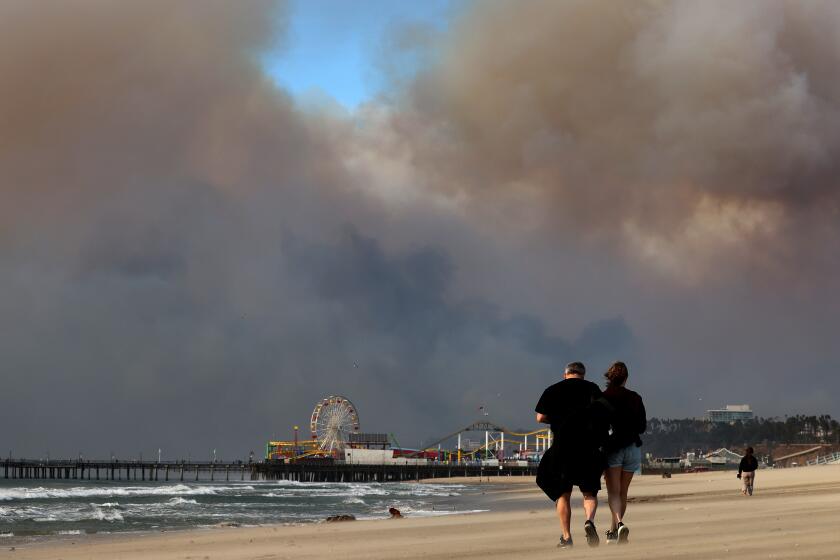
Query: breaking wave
81, 507
179, 501
41, 493
106, 514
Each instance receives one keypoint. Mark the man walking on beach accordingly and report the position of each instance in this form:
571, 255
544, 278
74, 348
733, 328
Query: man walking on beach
579, 422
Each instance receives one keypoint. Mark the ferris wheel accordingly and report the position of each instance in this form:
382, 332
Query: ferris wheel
333, 420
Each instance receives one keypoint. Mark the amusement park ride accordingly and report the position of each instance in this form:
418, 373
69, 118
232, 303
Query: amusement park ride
335, 435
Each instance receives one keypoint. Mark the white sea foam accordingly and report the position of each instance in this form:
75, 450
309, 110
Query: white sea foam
437, 513
356, 493
106, 514
40, 493
6, 535
289, 483
353, 500
70, 532
314, 492
178, 501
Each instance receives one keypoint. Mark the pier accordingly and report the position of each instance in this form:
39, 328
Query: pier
301, 471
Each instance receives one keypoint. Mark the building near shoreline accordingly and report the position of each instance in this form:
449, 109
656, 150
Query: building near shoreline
732, 413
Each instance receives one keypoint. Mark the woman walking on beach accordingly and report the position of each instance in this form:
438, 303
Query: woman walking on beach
746, 471
624, 454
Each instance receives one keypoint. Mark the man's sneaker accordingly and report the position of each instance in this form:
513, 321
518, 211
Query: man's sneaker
612, 536
591, 534
623, 533
565, 543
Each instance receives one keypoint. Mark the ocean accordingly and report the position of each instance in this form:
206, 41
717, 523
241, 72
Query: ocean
75, 507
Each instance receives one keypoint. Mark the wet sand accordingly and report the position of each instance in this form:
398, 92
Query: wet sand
793, 514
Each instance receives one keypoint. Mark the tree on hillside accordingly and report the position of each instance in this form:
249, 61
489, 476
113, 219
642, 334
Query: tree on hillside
671, 437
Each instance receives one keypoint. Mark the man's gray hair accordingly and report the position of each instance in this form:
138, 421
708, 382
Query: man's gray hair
576, 368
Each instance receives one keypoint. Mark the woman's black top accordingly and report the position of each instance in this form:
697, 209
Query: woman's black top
629, 418
748, 464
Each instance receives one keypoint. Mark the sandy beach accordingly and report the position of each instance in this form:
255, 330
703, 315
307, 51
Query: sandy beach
794, 514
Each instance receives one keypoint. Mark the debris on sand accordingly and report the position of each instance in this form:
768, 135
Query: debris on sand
334, 518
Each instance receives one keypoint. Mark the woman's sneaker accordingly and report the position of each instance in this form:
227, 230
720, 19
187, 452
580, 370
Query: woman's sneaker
612, 536
591, 534
565, 543
623, 533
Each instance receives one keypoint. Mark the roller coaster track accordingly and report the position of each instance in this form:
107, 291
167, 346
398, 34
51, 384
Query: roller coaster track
307, 454
480, 426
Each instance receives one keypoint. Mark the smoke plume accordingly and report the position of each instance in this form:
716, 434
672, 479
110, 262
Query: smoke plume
191, 258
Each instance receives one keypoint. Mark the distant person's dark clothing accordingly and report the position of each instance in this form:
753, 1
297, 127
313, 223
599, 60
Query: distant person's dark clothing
748, 464
575, 457
746, 472
629, 419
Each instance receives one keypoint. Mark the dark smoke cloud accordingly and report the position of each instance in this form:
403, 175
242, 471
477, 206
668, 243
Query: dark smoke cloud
671, 162
179, 272
190, 260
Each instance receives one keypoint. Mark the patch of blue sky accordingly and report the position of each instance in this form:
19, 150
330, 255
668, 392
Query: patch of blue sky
332, 47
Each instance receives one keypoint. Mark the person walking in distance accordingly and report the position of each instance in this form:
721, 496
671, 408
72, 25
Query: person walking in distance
576, 411
746, 471
624, 454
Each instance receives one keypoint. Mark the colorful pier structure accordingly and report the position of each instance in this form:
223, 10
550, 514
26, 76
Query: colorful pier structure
336, 438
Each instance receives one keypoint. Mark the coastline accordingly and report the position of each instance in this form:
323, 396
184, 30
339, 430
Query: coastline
702, 515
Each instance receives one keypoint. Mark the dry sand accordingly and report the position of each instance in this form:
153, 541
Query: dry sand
794, 514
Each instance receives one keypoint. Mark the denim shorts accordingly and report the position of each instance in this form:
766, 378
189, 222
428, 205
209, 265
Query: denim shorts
628, 458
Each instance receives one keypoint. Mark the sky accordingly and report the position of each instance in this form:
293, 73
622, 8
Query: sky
332, 47
195, 248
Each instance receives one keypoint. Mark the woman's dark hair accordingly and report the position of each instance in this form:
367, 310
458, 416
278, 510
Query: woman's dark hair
749, 451
616, 375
